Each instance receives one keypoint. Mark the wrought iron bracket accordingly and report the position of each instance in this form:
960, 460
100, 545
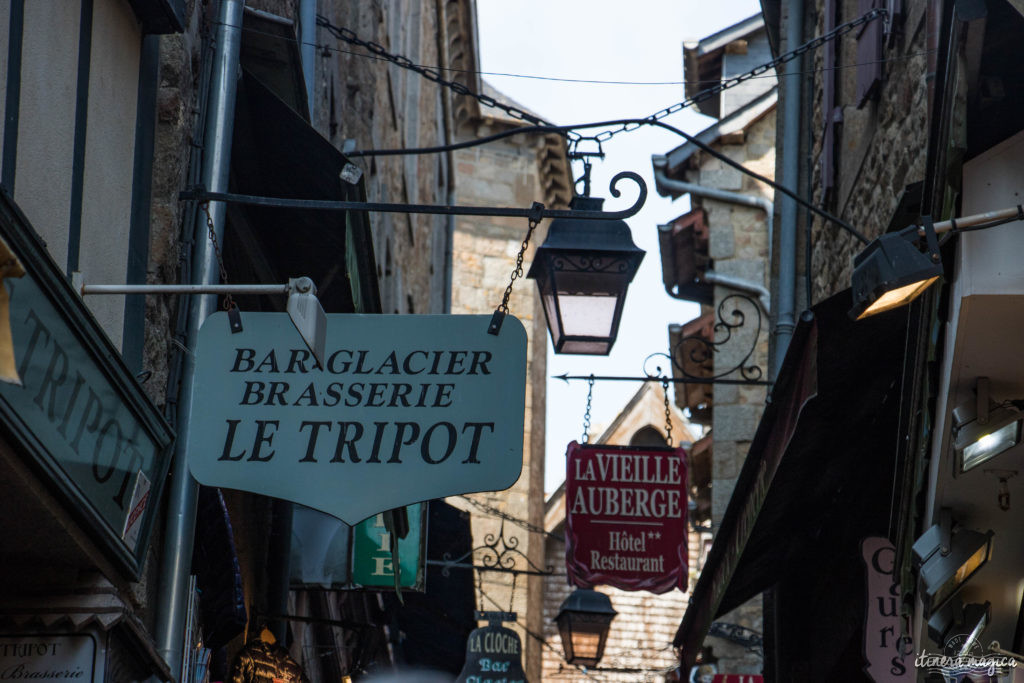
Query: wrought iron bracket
698, 350
497, 554
735, 633
199, 193
565, 377
701, 350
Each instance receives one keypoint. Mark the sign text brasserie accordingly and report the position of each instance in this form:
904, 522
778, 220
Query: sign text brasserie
353, 379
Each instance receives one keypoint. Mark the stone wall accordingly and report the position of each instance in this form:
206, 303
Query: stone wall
484, 256
739, 243
878, 146
379, 106
382, 106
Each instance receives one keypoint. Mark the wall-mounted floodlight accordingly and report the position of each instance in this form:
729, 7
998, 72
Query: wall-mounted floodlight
958, 619
891, 272
946, 560
982, 428
975, 442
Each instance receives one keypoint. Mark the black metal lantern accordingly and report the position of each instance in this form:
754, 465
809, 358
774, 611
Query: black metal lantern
583, 622
583, 270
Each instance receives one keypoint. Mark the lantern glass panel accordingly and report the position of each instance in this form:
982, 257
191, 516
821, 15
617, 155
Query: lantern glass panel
587, 316
585, 645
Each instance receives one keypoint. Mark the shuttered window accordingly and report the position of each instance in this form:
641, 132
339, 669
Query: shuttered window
869, 52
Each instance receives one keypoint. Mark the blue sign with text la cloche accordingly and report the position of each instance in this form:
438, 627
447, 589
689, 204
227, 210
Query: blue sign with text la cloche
406, 408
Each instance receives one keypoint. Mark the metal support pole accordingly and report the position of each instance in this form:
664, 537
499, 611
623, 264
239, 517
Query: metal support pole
185, 289
176, 561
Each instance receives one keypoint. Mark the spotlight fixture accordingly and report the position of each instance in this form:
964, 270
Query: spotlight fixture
982, 429
946, 560
583, 270
958, 619
583, 623
891, 272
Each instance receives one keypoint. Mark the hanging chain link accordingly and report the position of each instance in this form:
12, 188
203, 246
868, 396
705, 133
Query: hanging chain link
586, 414
229, 303
517, 272
348, 36
668, 413
708, 93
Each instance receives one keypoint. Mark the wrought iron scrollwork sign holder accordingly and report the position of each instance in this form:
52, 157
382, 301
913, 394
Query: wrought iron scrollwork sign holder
699, 350
497, 554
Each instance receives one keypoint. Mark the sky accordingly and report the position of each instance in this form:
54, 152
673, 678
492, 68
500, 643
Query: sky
606, 40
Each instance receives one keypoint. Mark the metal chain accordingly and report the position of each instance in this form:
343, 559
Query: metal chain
707, 94
229, 303
517, 272
495, 512
586, 415
348, 36
668, 413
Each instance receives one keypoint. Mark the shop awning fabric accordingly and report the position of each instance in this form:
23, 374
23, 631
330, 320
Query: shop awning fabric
826, 438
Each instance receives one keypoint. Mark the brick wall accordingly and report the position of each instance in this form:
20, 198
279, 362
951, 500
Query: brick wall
639, 646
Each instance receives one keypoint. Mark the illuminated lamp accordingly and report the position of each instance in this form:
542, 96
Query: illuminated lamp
891, 272
584, 620
977, 440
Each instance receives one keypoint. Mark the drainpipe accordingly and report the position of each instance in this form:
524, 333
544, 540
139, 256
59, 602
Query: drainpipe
666, 185
448, 122
307, 48
176, 564
785, 319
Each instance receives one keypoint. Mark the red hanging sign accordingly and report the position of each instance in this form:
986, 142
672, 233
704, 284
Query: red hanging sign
625, 517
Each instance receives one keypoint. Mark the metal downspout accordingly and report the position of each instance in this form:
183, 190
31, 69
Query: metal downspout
448, 121
176, 563
663, 182
307, 48
785, 302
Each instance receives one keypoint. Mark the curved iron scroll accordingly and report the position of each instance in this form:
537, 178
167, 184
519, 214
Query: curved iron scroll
536, 212
497, 554
699, 350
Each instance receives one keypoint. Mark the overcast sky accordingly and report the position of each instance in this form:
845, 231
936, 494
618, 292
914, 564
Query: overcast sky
606, 40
